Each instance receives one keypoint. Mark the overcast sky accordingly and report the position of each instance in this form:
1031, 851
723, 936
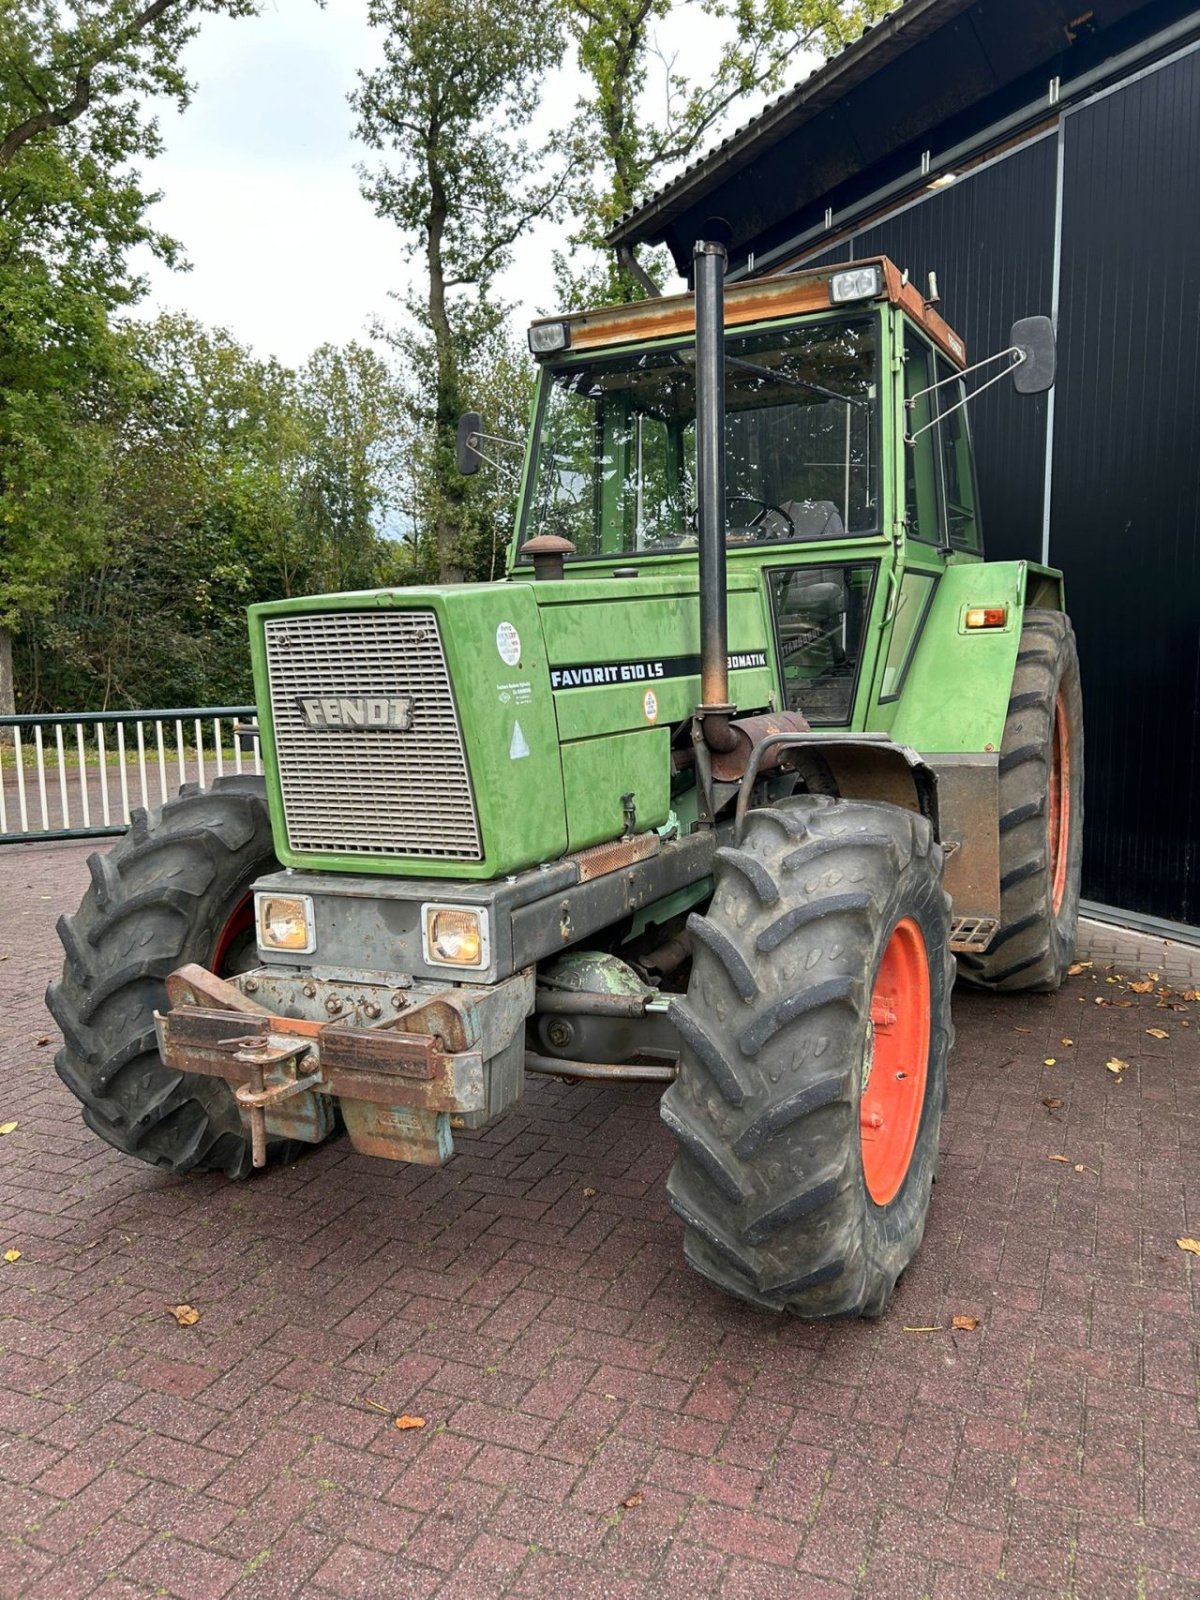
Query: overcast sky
258, 182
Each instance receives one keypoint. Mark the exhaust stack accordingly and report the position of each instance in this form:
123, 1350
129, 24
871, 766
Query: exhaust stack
714, 710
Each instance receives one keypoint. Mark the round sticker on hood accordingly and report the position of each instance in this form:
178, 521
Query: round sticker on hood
508, 643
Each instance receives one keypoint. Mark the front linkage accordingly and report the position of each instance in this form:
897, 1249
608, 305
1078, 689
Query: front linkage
401, 1062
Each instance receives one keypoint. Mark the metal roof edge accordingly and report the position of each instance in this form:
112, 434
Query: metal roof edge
879, 45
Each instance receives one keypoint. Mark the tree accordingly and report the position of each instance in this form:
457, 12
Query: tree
228, 480
447, 110
354, 486
622, 146
75, 76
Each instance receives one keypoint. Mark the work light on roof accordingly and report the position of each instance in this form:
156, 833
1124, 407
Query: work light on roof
547, 337
861, 283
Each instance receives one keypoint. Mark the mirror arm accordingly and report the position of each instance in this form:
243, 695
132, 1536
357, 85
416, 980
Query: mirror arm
911, 438
1013, 350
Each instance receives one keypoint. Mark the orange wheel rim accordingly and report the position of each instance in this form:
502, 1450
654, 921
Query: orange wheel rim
240, 920
1059, 816
897, 1064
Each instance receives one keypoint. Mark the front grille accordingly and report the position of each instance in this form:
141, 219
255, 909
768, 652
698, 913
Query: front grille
370, 792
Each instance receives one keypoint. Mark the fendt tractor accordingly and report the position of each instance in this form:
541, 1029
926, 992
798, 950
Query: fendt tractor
748, 755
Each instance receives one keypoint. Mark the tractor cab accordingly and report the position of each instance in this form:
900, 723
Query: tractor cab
826, 374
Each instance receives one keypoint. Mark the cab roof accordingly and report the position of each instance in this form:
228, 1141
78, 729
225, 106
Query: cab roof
759, 300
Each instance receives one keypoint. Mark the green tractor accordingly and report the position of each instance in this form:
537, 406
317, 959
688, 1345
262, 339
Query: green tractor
749, 754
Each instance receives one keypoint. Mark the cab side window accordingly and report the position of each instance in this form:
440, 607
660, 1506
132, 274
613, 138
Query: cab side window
921, 489
958, 477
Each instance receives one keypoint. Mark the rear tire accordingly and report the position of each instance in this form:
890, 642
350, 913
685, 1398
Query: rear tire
172, 890
773, 1178
1041, 815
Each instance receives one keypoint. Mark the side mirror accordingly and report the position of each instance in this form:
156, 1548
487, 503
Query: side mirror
1034, 338
467, 442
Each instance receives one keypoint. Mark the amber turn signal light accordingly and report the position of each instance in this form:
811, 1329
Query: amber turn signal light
986, 617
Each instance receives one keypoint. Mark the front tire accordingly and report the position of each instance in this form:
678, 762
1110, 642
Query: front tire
822, 967
174, 889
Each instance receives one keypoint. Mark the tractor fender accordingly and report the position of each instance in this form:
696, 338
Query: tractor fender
954, 692
861, 766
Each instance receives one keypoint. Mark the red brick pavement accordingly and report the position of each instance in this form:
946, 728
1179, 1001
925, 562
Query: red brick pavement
567, 1362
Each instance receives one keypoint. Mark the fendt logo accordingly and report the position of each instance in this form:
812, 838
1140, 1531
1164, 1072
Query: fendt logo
370, 713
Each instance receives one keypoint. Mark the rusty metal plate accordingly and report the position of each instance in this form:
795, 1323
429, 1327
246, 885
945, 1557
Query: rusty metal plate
600, 859
398, 1133
196, 1040
386, 1049
969, 818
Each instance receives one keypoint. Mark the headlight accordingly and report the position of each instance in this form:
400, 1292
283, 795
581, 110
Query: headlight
864, 283
547, 337
286, 922
455, 936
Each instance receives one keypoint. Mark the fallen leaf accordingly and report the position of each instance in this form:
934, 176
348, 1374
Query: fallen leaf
588, 1193
1022, 1030
1191, 1245
1050, 1061
964, 1324
1067, 1159
1190, 994
1158, 1033
1080, 1167
632, 1501
610, 1397
1142, 988
404, 1423
1077, 967
937, 1328
1101, 1001
7, 1127
1051, 1104
1112, 980
12, 1255
1115, 1064
1066, 1041
375, 1406
185, 1316
44, 1040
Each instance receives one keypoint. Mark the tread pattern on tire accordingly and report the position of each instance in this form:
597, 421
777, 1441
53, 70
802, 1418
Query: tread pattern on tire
768, 1179
1033, 947
158, 898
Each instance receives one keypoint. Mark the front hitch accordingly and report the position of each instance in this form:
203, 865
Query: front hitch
404, 1066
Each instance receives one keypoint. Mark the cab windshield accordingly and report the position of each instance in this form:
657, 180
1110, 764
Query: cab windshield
614, 466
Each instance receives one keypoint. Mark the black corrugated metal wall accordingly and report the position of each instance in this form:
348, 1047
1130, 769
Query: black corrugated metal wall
1125, 485
1125, 502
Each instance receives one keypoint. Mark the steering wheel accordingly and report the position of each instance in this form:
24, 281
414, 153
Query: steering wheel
765, 509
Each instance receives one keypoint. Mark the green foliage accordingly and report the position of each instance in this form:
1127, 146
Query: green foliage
74, 77
639, 118
447, 112
228, 480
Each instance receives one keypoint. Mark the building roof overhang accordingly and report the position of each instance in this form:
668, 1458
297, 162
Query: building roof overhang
926, 68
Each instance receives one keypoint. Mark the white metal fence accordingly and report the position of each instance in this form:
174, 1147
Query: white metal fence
69, 776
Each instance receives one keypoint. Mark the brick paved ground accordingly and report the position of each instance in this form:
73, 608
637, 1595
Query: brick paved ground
566, 1362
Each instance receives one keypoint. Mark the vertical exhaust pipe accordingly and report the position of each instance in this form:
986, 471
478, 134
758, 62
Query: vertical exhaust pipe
714, 710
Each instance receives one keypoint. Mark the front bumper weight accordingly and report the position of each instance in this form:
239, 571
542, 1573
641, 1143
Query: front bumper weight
398, 1080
